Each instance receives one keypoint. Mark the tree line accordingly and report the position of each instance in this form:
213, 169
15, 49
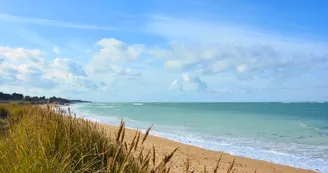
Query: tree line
35, 99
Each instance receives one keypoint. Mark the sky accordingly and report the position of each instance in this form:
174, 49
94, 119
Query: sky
165, 51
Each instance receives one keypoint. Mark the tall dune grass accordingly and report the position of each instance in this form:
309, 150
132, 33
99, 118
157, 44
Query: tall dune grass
36, 139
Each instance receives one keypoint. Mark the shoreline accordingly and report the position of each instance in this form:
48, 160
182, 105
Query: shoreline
200, 156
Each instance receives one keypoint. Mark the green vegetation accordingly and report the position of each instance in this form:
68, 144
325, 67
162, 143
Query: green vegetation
46, 140
36, 100
36, 139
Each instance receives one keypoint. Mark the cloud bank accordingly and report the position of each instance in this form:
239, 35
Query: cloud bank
196, 57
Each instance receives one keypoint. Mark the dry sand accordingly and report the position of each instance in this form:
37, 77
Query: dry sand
200, 157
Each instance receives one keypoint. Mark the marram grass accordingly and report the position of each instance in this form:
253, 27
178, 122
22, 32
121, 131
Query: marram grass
48, 139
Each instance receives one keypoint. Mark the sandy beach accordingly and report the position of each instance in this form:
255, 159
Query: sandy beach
229, 86
200, 157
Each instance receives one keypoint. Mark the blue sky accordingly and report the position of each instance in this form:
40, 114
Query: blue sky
165, 50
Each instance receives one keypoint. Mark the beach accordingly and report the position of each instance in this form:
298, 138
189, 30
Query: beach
200, 157
93, 136
291, 134
217, 86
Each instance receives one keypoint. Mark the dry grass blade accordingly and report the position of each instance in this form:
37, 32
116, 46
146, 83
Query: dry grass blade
119, 131
187, 165
126, 164
168, 169
129, 151
110, 165
117, 153
163, 169
117, 166
146, 134
134, 138
140, 156
145, 163
147, 155
154, 155
123, 133
166, 159
126, 146
231, 166
218, 163
205, 169
137, 141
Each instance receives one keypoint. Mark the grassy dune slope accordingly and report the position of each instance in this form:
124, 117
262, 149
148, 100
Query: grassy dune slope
35, 139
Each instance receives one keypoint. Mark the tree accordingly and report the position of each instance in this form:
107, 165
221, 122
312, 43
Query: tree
4, 96
35, 99
28, 98
16, 96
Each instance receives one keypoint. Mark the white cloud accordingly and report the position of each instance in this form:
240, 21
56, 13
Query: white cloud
32, 76
259, 60
24, 67
173, 64
115, 59
225, 68
242, 68
70, 66
129, 72
22, 56
25, 75
27, 68
174, 84
115, 50
70, 75
203, 32
159, 52
118, 70
185, 77
8, 73
219, 66
80, 83
56, 50
211, 48
189, 83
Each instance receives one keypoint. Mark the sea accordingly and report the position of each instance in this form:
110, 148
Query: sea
293, 134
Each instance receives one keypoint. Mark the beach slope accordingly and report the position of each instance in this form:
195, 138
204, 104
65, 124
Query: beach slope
200, 157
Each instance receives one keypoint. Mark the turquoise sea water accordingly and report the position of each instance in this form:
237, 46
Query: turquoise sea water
294, 134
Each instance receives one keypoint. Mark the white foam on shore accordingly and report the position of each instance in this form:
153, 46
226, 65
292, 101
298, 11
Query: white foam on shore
272, 152
295, 155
